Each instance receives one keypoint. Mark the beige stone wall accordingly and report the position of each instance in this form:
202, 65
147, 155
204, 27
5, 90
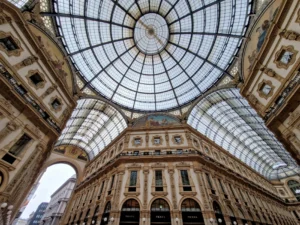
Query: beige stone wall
199, 156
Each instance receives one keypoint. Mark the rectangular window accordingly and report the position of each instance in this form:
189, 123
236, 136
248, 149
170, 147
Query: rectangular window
157, 152
112, 182
185, 178
209, 181
8, 43
158, 180
56, 104
17, 148
36, 78
221, 186
101, 189
133, 178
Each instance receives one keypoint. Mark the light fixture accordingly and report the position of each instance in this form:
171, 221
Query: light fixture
234, 222
83, 223
211, 220
104, 219
93, 221
144, 219
112, 219
246, 223
220, 220
176, 220
3, 205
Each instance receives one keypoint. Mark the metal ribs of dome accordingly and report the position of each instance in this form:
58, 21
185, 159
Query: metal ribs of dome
203, 38
226, 118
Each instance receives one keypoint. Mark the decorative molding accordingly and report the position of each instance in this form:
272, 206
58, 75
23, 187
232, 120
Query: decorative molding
160, 140
290, 35
4, 18
133, 142
177, 142
158, 165
26, 62
271, 73
173, 190
298, 18
39, 85
59, 108
279, 53
255, 103
48, 91
260, 87
15, 52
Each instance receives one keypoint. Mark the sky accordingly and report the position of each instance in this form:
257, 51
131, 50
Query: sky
51, 180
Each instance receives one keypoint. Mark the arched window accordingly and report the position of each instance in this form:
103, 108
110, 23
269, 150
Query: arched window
218, 213
130, 213
160, 212
105, 216
191, 212
295, 188
131, 205
96, 210
160, 205
107, 208
190, 205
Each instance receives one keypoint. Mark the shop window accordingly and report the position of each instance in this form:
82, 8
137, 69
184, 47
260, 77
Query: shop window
158, 180
157, 152
185, 180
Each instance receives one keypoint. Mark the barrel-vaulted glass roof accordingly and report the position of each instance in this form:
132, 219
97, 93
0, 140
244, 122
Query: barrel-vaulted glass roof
92, 126
226, 118
151, 55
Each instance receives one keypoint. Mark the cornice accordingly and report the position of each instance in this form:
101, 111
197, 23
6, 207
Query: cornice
23, 25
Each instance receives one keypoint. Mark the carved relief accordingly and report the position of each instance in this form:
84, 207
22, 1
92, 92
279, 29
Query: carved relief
177, 139
255, 103
265, 89
26, 62
157, 140
48, 91
271, 73
10, 126
15, 45
285, 57
290, 35
137, 141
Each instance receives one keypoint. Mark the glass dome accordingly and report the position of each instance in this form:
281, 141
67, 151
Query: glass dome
151, 55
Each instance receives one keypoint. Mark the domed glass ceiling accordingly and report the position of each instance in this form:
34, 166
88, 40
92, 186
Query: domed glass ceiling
151, 55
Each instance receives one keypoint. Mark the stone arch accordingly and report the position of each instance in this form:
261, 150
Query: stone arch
160, 197
4, 180
128, 198
190, 197
79, 171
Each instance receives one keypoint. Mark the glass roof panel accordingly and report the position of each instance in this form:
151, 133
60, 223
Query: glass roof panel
151, 55
18, 3
226, 118
93, 125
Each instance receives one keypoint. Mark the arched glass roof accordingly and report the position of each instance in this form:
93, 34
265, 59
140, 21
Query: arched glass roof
92, 126
226, 118
18, 3
151, 55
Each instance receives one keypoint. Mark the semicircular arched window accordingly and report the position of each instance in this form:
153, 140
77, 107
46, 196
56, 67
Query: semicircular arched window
160, 205
295, 188
190, 205
131, 205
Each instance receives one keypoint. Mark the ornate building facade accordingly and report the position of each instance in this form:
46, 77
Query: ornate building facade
171, 112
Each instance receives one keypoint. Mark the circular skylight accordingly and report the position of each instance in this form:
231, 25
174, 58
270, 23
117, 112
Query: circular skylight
151, 33
151, 55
